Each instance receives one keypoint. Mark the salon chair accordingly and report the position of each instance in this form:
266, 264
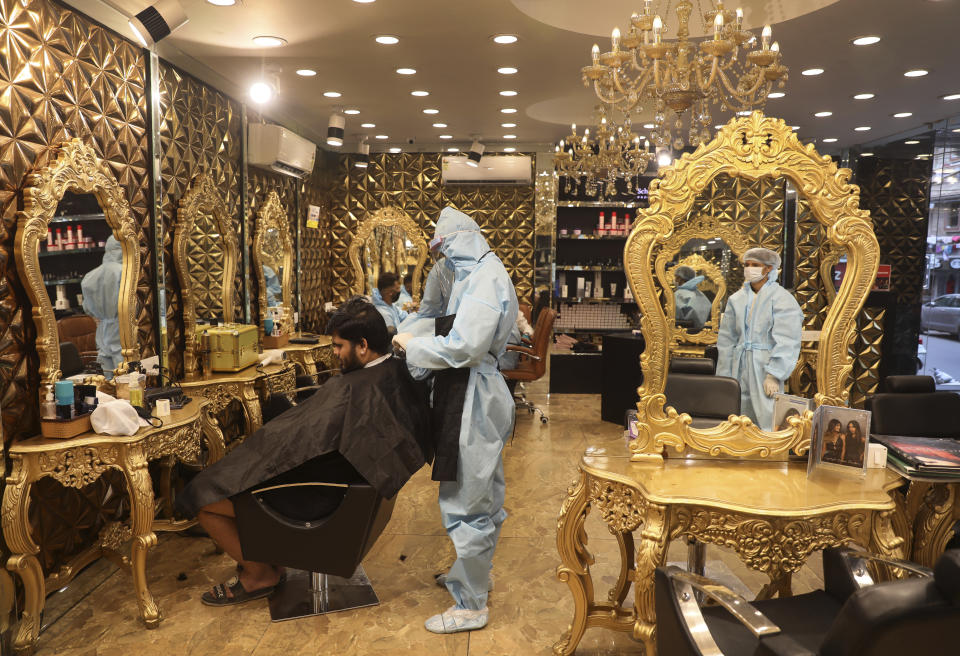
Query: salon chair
851, 616
81, 331
912, 406
324, 554
532, 364
708, 399
700, 366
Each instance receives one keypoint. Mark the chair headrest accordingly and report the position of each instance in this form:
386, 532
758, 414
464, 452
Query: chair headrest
946, 574
910, 384
701, 366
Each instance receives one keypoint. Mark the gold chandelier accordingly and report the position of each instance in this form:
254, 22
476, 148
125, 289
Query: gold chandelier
643, 68
614, 153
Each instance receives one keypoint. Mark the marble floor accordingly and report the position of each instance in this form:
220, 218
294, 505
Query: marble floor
529, 607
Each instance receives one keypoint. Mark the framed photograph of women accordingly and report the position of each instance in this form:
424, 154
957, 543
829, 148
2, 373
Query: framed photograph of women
839, 440
786, 406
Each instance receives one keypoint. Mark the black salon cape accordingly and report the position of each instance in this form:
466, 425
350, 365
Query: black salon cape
376, 417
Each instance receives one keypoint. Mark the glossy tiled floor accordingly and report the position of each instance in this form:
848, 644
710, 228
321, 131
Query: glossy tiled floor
529, 607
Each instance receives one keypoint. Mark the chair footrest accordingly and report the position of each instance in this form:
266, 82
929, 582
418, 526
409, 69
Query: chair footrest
300, 597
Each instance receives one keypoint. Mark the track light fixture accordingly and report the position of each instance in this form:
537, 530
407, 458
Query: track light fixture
157, 21
335, 130
363, 155
476, 152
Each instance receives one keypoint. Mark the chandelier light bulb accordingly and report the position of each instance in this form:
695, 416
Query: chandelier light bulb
765, 36
739, 19
776, 46
657, 29
717, 25
615, 39
595, 53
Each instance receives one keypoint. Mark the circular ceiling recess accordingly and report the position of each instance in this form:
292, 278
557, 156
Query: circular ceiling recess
599, 18
579, 108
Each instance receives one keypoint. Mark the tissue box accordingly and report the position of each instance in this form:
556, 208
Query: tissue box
233, 346
64, 429
270, 342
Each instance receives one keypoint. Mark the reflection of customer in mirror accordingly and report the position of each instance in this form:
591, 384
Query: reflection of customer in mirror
854, 444
759, 338
832, 442
693, 307
101, 295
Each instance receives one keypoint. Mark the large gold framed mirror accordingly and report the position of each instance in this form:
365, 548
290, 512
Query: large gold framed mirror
205, 255
76, 171
752, 148
387, 241
273, 257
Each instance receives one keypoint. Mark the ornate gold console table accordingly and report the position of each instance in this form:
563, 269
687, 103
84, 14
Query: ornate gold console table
769, 513
928, 509
78, 462
312, 358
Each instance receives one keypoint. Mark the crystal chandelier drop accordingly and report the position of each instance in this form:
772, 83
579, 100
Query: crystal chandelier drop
644, 70
612, 154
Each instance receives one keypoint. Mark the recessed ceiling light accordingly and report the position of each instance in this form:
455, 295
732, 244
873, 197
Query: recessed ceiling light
717, 127
866, 154
352, 112
387, 39
812, 71
439, 125
952, 96
508, 110
919, 72
924, 156
453, 149
431, 111
829, 140
368, 125
506, 70
911, 142
823, 114
648, 126
862, 128
509, 136
407, 71
332, 94
902, 114
865, 40
363, 2
446, 136
794, 127
508, 125
306, 72
382, 136
504, 38
420, 93
508, 93
509, 149
863, 96
394, 149
269, 41
222, 3
776, 94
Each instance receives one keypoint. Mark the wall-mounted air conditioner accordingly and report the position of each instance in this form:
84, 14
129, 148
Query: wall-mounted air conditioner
493, 169
278, 149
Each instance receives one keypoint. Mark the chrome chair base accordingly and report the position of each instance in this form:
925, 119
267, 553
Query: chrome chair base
305, 594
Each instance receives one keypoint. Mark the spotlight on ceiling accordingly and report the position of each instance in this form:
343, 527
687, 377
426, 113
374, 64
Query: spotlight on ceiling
157, 21
262, 92
335, 130
476, 152
363, 155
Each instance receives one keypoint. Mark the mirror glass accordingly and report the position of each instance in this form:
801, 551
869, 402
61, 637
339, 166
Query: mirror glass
702, 273
387, 250
272, 256
82, 266
205, 258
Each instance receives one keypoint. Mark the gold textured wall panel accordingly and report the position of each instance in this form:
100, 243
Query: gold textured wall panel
412, 182
315, 272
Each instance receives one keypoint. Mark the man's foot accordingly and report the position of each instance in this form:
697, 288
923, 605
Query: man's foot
454, 620
441, 580
232, 592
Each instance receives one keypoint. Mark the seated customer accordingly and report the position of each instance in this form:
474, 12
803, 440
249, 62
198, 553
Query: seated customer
371, 423
406, 293
384, 296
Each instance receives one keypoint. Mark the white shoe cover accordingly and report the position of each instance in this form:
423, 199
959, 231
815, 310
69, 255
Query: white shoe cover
454, 620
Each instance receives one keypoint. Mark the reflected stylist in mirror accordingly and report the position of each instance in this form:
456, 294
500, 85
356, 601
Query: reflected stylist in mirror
759, 338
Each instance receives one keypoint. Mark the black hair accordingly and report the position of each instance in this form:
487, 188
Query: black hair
356, 320
387, 280
408, 279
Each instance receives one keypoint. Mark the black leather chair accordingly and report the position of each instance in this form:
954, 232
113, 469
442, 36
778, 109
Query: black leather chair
700, 366
707, 399
911, 405
850, 617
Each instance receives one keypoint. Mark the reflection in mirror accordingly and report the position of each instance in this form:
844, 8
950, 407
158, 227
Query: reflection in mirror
271, 254
702, 274
205, 259
389, 241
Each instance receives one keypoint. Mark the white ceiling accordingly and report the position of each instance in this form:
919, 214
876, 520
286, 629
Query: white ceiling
449, 44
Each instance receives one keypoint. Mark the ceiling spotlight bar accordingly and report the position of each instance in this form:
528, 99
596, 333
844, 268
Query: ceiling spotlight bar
476, 152
363, 155
158, 21
335, 129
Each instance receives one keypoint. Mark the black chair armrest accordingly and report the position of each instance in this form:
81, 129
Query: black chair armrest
845, 570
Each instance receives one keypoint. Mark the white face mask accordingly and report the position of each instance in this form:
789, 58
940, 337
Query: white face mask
752, 274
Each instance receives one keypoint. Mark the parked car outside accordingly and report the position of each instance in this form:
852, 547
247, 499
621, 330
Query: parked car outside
943, 314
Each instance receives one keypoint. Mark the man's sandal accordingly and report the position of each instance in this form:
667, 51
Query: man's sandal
218, 595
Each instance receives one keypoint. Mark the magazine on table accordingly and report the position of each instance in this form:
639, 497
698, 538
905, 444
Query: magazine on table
927, 455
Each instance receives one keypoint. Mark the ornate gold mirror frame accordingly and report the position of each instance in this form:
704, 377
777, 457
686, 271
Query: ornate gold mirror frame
201, 198
752, 147
704, 224
387, 216
272, 215
74, 167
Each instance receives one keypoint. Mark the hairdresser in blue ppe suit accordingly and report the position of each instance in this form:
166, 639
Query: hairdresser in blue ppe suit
274, 290
101, 294
693, 307
433, 304
759, 338
484, 303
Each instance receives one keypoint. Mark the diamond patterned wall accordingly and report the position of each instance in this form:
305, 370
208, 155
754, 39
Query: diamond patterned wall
412, 182
315, 274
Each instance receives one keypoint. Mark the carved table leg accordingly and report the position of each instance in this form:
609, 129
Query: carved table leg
575, 570
781, 585
23, 559
884, 542
618, 593
933, 525
251, 403
651, 554
140, 490
167, 464
216, 444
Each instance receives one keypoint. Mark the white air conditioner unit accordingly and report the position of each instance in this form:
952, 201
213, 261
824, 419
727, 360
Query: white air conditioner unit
278, 149
493, 169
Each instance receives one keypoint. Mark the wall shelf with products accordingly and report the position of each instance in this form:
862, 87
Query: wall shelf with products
78, 218
72, 251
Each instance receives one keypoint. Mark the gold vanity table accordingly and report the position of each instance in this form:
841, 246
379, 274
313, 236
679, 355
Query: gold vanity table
312, 358
79, 461
769, 513
926, 515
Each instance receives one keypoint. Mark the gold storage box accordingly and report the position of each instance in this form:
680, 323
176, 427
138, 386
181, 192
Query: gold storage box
233, 346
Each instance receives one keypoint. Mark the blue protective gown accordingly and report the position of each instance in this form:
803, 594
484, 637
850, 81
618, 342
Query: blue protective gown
692, 305
101, 295
403, 299
390, 314
483, 298
274, 290
752, 344
433, 304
